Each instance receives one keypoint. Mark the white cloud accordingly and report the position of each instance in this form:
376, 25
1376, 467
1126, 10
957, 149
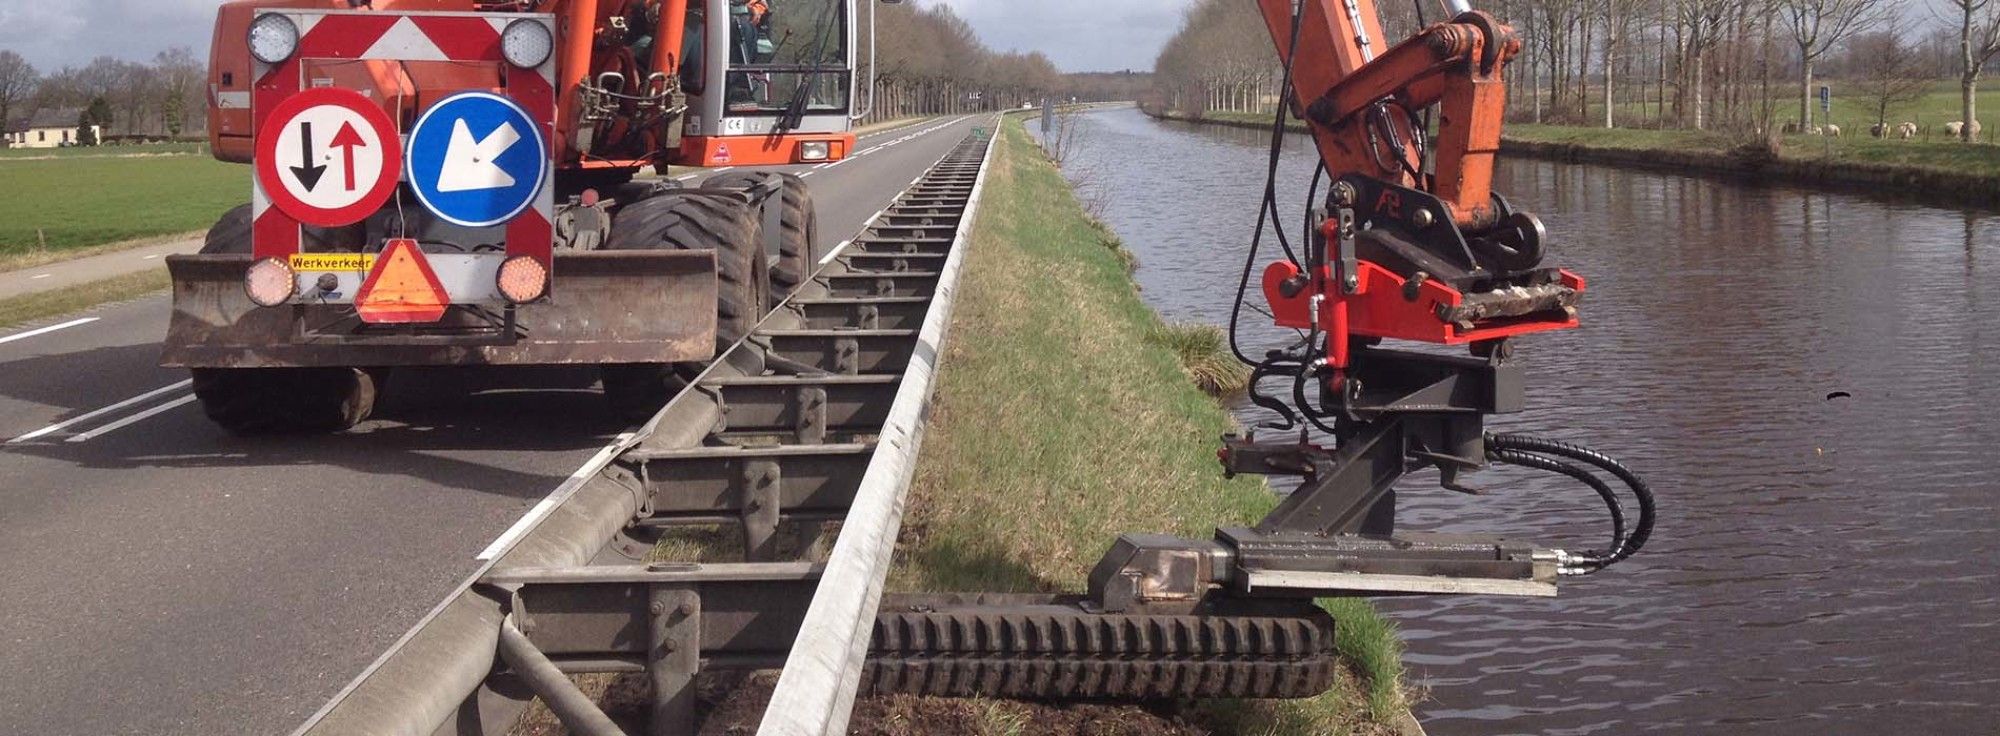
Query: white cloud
1079, 35
52, 34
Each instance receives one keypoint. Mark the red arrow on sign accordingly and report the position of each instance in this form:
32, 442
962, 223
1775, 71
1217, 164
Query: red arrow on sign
346, 140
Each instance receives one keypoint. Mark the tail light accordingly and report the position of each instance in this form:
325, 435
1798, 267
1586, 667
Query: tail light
522, 279
270, 282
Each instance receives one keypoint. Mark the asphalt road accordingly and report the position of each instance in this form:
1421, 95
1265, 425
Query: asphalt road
163, 577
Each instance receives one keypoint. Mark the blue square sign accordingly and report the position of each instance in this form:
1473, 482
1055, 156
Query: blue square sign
476, 159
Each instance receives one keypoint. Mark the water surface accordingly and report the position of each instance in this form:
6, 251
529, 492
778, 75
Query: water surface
1821, 566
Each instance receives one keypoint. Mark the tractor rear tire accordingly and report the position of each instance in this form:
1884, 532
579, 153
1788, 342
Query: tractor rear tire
690, 220
256, 401
231, 234
799, 249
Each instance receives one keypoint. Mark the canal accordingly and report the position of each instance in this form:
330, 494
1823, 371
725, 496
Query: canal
1822, 565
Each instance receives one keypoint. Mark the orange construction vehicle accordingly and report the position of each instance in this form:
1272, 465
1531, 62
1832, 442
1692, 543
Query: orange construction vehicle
1408, 243
459, 182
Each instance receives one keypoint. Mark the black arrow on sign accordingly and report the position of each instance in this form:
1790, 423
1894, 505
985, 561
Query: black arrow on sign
308, 175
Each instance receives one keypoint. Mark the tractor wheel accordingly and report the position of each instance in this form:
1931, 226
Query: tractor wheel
799, 250
690, 220
231, 234
253, 401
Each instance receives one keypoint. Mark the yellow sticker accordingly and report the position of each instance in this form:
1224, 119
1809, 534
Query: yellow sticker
332, 261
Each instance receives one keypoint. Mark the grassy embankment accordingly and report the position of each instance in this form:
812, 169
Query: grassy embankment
1064, 418
76, 203
63, 204
1940, 171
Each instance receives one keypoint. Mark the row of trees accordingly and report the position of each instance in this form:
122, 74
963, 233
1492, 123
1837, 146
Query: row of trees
931, 63
1702, 64
163, 97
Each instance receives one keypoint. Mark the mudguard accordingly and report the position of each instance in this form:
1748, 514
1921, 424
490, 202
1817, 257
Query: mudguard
603, 307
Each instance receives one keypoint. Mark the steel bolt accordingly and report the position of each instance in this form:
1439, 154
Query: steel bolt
1343, 193
657, 608
668, 646
687, 608
1423, 219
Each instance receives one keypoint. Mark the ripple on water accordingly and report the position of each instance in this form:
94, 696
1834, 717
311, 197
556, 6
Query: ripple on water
1820, 566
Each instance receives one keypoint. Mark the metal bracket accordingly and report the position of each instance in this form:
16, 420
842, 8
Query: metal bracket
762, 481
673, 657
809, 408
847, 356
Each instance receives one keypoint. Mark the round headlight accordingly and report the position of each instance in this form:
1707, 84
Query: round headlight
522, 279
270, 282
273, 38
526, 43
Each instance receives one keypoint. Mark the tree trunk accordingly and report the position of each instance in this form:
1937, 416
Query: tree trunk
1805, 97
1968, 88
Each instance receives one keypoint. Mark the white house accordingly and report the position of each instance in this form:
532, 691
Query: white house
47, 129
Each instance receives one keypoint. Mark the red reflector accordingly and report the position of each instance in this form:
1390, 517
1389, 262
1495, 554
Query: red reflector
401, 288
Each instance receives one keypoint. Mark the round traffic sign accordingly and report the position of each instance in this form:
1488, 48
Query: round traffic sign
476, 159
328, 156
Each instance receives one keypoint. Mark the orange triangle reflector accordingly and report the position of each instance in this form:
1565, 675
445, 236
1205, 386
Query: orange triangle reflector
401, 288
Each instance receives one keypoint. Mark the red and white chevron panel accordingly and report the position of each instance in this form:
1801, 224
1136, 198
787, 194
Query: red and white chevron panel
337, 35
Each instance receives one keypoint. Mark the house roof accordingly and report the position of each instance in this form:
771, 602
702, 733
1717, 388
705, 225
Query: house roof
48, 117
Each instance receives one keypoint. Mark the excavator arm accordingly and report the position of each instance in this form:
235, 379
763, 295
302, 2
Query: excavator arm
1410, 243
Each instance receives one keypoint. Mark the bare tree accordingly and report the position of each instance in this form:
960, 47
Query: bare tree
1886, 71
1978, 42
1817, 26
17, 82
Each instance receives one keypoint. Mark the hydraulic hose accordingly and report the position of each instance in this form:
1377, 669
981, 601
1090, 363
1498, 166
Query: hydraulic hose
1593, 560
1643, 529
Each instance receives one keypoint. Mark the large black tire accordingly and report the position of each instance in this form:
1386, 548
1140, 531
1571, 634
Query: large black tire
799, 249
252, 401
231, 234
690, 220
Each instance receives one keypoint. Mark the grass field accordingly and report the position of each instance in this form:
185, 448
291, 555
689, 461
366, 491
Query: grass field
67, 203
1060, 424
148, 149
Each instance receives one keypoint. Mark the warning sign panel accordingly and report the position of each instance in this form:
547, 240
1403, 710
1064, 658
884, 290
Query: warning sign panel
328, 157
308, 262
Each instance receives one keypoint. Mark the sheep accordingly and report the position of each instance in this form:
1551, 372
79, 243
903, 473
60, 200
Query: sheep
1833, 131
1954, 128
1907, 131
1878, 130
1818, 130
1972, 129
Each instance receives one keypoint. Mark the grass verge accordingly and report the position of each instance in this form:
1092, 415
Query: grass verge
60, 204
20, 309
1060, 423
1934, 171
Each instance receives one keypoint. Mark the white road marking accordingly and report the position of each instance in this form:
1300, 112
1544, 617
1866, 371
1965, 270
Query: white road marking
148, 258
46, 330
41, 276
131, 420
550, 502
59, 426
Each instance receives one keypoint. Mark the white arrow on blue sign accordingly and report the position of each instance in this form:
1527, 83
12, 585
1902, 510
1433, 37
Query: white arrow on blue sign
476, 159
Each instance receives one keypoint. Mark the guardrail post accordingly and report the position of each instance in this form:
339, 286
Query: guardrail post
675, 657
761, 502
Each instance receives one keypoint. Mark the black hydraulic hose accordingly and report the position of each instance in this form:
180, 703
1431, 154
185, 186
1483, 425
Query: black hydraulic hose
1596, 560
1642, 530
1269, 206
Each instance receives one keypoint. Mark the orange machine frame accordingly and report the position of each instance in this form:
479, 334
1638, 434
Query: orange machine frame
1455, 65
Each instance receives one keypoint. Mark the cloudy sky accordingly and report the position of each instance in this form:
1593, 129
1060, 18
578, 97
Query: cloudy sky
1079, 36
